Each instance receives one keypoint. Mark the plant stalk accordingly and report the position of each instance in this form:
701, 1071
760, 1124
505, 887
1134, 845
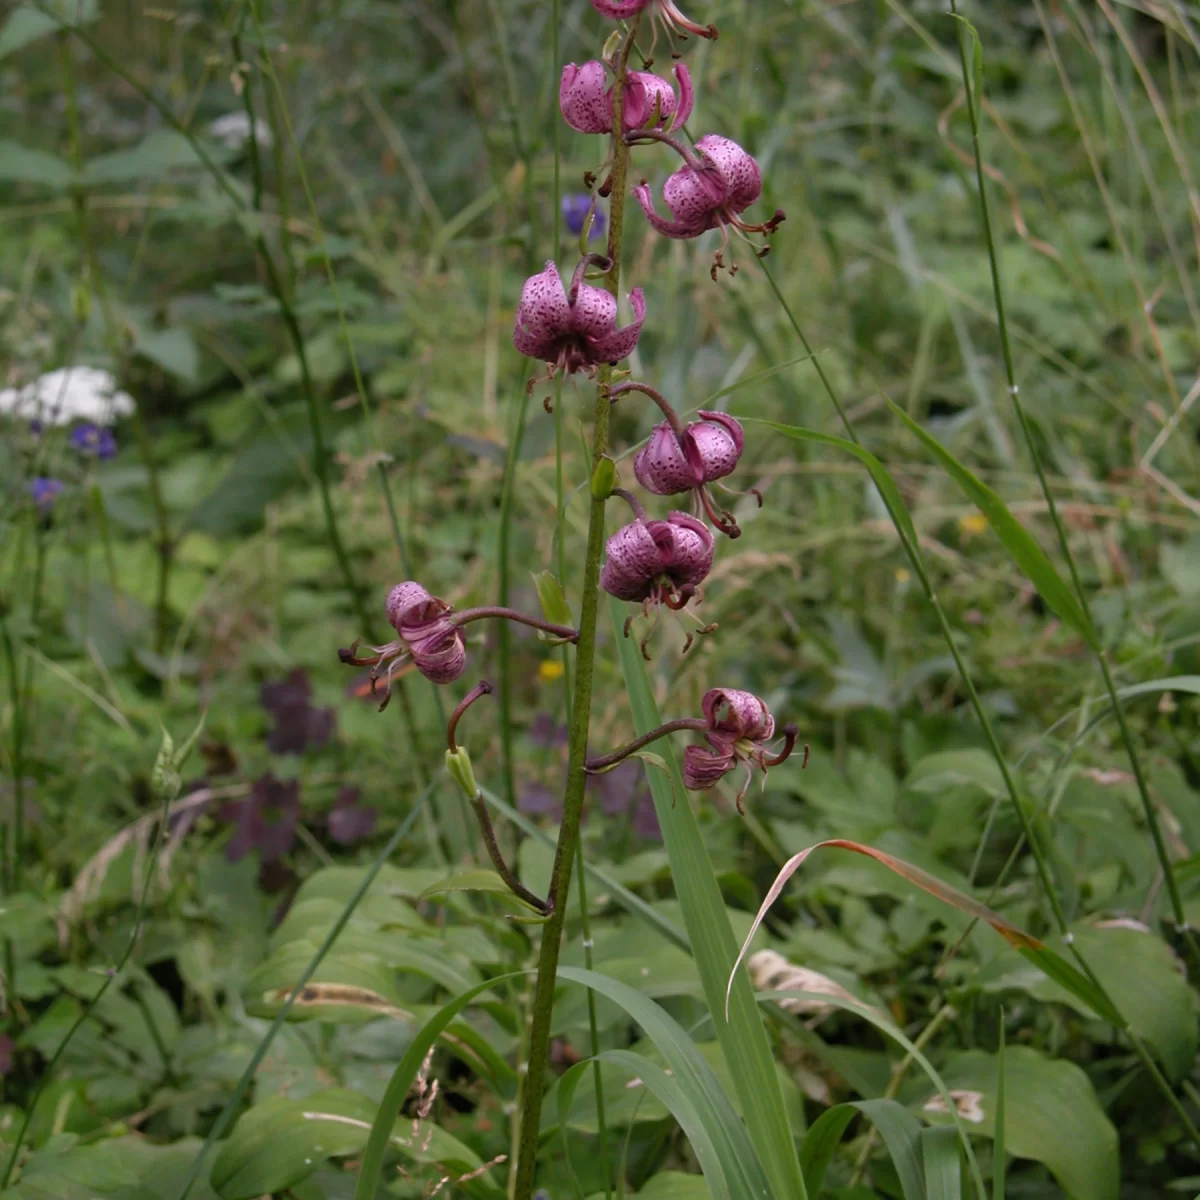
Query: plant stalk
1151, 816
568, 837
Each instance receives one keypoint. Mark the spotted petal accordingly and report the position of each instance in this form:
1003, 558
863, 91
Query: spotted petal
584, 99
543, 315
719, 440
634, 560
663, 467
594, 312
742, 177
703, 768
737, 713
620, 343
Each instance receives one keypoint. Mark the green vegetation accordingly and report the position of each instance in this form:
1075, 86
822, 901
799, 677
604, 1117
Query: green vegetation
258, 282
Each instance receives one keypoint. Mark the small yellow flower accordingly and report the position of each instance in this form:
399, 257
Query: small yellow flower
972, 524
902, 575
550, 669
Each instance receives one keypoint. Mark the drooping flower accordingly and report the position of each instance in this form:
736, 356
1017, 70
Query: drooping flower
585, 97
658, 562
679, 458
665, 12
430, 636
718, 181
739, 726
574, 329
575, 209
45, 491
69, 394
93, 441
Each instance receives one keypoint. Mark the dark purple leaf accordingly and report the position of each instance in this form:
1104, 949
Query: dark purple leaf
538, 799
349, 821
265, 821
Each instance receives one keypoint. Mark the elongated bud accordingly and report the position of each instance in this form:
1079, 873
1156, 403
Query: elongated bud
458, 763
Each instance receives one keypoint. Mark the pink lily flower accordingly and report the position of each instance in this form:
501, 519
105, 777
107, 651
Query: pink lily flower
665, 12
585, 98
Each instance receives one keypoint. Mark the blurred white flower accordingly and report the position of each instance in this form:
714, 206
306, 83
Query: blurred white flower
233, 131
66, 395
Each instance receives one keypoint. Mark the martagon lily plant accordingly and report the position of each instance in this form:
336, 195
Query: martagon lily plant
569, 325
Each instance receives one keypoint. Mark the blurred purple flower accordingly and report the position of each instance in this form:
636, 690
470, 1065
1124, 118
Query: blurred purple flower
540, 800
6, 1054
575, 210
265, 820
349, 821
45, 491
298, 725
545, 732
94, 441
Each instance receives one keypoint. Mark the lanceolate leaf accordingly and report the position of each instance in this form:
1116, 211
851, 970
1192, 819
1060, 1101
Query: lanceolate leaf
742, 1035
1053, 964
1017, 540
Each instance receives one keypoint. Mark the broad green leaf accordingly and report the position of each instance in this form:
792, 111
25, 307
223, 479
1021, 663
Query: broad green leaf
1140, 973
281, 1141
27, 23
674, 1185
1051, 1115
1017, 540
475, 879
62, 1167
737, 1022
155, 154
673, 1096
18, 164
899, 1129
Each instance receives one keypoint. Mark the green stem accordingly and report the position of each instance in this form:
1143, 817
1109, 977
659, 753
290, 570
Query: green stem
48, 1072
1151, 816
165, 545
1039, 858
292, 324
568, 837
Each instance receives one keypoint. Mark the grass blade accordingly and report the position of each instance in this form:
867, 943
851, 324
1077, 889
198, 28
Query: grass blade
999, 1152
1016, 539
943, 1172
743, 1038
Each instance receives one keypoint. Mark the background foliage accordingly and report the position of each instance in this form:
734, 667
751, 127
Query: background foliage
403, 185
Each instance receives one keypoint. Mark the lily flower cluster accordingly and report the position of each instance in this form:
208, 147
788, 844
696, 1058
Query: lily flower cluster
571, 325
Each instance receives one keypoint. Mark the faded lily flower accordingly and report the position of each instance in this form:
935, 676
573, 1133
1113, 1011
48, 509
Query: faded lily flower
574, 329
585, 98
665, 12
738, 727
718, 181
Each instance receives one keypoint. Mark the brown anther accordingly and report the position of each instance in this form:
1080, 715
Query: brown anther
349, 657
605, 189
589, 180
757, 495
645, 652
762, 253
687, 645
548, 405
628, 625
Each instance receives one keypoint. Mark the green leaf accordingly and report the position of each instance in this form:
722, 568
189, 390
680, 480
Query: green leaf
900, 1130
1016, 539
888, 492
1051, 1115
674, 1185
476, 879
174, 350
21, 165
1000, 1148
26, 24
943, 1172
742, 1036
554, 604
154, 155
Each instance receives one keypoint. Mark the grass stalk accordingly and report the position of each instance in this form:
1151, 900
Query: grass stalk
1010, 787
300, 347
568, 837
1151, 816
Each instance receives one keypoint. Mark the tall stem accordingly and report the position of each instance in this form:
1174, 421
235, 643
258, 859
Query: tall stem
1135, 762
568, 836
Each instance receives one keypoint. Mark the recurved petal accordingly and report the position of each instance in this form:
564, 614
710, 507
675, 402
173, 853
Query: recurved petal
671, 229
409, 603
649, 100
620, 343
584, 99
661, 466
686, 96
741, 714
695, 197
703, 768
543, 314
719, 440
741, 174
691, 550
633, 561
594, 313
620, 10
442, 658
